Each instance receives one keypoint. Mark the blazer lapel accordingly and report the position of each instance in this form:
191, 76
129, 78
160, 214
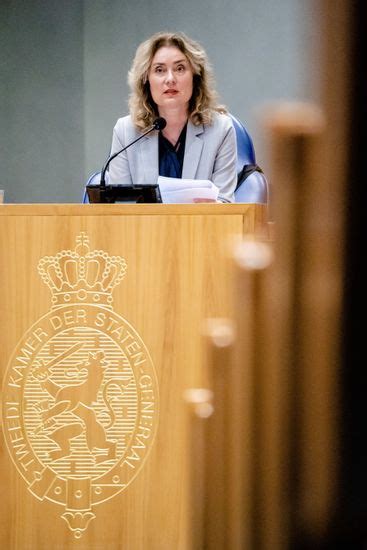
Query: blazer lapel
148, 158
193, 148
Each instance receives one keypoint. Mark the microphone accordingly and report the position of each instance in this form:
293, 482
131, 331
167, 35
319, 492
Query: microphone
158, 124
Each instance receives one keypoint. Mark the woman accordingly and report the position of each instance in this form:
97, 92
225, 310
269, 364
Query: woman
171, 78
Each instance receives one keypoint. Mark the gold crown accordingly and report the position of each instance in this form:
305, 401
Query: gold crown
81, 275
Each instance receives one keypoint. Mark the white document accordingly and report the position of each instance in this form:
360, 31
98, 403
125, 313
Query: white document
177, 190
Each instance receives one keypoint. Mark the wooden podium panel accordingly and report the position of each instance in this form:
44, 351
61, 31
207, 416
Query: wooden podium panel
101, 311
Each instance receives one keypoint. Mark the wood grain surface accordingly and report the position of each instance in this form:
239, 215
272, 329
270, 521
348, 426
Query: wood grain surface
177, 275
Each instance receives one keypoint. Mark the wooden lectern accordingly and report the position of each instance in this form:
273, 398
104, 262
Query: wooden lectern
101, 311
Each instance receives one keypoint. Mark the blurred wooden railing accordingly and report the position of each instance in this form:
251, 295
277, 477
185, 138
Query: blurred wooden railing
267, 449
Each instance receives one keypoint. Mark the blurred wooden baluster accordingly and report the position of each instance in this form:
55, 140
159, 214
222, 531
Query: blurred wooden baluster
302, 298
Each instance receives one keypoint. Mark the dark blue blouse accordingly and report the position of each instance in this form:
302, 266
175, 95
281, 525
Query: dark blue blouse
171, 156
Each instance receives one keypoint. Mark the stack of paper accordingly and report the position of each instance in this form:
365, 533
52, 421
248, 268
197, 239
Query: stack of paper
176, 190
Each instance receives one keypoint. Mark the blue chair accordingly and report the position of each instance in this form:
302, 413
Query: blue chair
92, 180
254, 189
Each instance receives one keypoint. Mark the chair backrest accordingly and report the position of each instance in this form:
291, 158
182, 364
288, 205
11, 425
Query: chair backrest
92, 180
245, 147
254, 189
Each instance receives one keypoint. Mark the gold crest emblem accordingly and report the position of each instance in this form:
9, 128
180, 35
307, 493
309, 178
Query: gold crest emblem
80, 399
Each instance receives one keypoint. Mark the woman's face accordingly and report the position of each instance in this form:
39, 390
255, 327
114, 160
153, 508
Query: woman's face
171, 79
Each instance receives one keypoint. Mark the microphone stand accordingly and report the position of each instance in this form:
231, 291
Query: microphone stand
102, 182
159, 124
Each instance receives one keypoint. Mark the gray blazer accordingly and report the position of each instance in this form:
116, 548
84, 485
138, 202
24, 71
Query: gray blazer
210, 153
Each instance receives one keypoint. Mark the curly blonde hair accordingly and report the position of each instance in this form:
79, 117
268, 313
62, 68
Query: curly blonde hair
203, 103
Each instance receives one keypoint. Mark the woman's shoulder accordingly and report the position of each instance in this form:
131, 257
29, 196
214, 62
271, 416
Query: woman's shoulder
219, 122
124, 122
125, 128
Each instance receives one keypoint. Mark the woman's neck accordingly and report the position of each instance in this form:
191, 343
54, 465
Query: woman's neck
175, 122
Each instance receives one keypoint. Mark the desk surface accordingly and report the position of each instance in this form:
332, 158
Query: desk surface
128, 209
